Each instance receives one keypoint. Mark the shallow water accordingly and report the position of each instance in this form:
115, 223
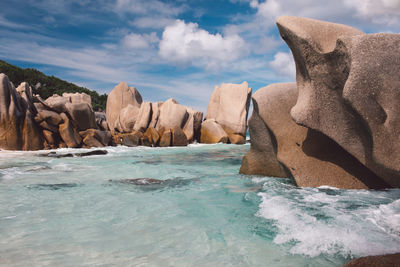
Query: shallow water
66, 211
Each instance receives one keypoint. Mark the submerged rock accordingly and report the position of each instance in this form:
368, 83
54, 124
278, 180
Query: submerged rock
151, 184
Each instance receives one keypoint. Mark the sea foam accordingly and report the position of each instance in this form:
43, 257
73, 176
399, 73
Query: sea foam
329, 221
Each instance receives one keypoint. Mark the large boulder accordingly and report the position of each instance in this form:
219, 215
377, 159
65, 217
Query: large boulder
348, 89
18, 130
120, 97
126, 119
212, 132
193, 125
178, 137
127, 139
96, 138
57, 103
69, 133
82, 115
76, 98
101, 121
229, 105
151, 137
32, 136
155, 114
310, 157
172, 115
143, 117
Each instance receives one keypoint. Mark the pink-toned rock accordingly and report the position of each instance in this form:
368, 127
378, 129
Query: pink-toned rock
120, 97
76, 98
229, 105
310, 157
193, 124
126, 119
143, 117
155, 114
172, 115
348, 89
57, 103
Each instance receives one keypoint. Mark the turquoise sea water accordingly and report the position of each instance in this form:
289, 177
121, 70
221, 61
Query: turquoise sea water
67, 212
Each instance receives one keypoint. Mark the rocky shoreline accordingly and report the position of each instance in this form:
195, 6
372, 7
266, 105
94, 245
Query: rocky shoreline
31, 123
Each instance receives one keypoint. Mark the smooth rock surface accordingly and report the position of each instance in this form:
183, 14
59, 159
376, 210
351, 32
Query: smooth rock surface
212, 132
68, 132
120, 97
126, 119
311, 158
348, 89
144, 116
82, 115
172, 115
229, 105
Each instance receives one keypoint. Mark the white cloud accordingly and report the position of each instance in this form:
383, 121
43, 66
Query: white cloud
186, 43
283, 64
377, 11
139, 41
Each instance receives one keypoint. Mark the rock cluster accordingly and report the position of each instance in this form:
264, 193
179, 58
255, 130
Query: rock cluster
226, 119
134, 122
339, 124
30, 123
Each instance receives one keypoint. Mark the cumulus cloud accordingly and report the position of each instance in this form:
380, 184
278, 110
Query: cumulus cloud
283, 65
377, 11
384, 12
186, 43
139, 41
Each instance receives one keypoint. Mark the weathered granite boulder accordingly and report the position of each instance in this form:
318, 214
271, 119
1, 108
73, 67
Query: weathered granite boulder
18, 129
193, 125
178, 137
212, 132
229, 105
57, 103
82, 115
120, 97
32, 136
101, 121
165, 137
144, 116
389, 260
151, 137
76, 98
348, 87
127, 139
96, 138
155, 114
126, 119
172, 115
310, 157
69, 133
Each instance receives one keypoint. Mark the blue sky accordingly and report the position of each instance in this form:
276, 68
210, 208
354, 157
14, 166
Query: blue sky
179, 49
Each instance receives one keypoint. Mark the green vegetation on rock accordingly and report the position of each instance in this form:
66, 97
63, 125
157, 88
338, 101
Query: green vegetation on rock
49, 85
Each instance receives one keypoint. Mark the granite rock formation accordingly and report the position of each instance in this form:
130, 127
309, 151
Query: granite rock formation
348, 89
228, 107
120, 97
